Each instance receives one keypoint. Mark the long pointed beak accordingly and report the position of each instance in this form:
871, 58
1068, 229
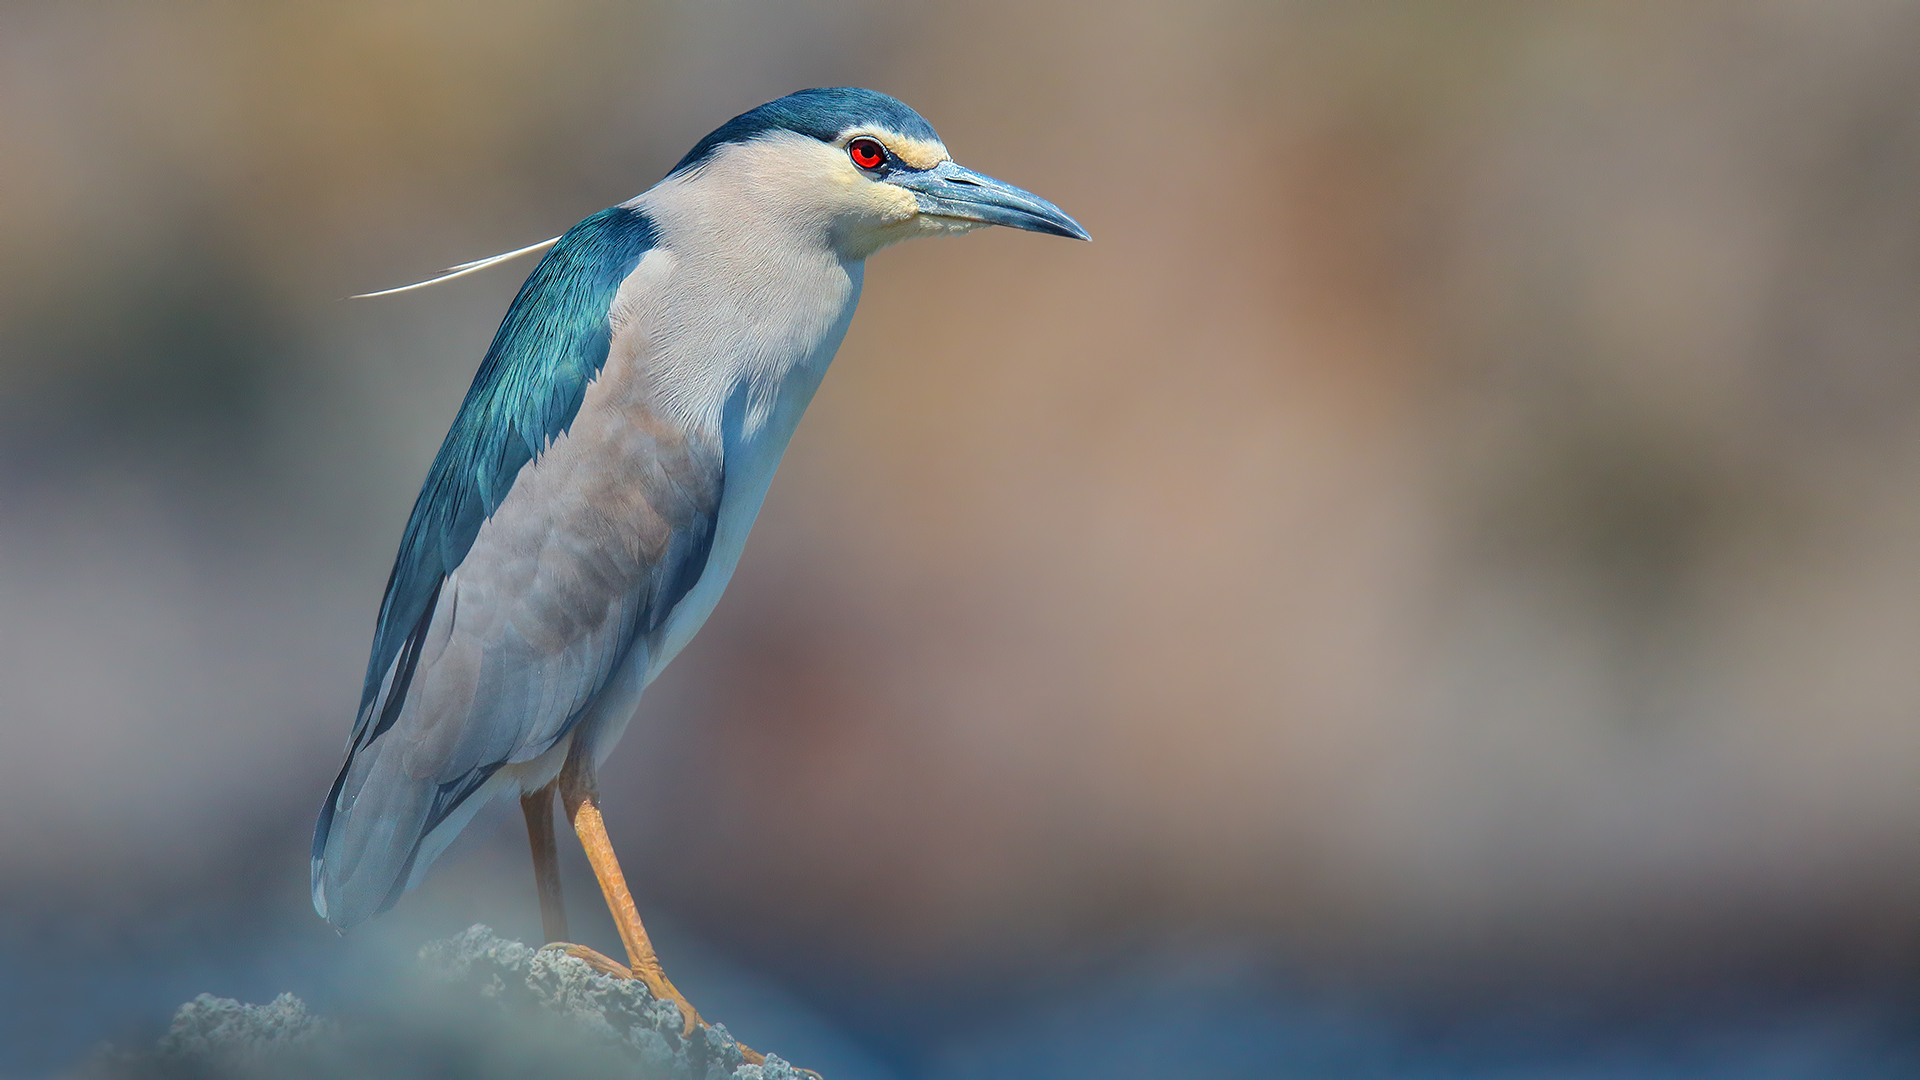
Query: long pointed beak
948, 190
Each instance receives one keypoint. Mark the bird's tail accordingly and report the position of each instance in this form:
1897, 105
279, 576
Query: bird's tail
381, 829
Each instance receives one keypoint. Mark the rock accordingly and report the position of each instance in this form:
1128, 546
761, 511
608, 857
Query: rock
491, 1008
210, 1025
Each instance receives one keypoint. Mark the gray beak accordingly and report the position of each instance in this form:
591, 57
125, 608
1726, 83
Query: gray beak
947, 190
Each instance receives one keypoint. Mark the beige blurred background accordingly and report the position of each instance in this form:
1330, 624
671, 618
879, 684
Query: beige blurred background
1459, 521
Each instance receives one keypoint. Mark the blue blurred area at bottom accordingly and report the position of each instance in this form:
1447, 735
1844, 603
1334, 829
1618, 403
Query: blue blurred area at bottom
1218, 1017
1199, 1014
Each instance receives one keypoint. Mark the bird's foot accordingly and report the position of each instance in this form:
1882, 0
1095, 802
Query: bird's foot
598, 961
656, 983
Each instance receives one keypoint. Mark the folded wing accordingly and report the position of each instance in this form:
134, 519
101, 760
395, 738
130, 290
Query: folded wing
560, 523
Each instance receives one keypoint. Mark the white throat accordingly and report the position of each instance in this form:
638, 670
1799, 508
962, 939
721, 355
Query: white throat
735, 315
743, 286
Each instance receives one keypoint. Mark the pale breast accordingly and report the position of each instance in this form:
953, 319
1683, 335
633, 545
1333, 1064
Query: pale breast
743, 372
600, 537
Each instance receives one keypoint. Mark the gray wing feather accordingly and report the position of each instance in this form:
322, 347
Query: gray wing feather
597, 540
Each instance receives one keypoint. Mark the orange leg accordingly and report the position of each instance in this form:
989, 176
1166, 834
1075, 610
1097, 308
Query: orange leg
581, 801
538, 807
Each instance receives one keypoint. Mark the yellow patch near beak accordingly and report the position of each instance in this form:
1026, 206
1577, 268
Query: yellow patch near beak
898, 202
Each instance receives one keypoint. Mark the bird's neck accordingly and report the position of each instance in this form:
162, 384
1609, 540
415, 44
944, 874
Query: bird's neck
737, 311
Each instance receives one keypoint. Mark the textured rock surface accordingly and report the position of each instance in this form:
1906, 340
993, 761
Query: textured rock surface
490, 1008
209, 1025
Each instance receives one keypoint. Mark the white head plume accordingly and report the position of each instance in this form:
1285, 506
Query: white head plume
461, 270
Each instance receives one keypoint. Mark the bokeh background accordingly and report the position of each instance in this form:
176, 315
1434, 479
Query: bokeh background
1432, 590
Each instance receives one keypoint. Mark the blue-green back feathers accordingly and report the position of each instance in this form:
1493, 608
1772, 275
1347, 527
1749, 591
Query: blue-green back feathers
552, 343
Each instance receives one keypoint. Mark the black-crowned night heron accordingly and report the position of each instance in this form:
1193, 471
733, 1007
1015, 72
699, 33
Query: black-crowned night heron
595, 490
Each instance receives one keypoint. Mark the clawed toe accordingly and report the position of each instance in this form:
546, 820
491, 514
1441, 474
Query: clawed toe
654, 980
661, 989
598, 961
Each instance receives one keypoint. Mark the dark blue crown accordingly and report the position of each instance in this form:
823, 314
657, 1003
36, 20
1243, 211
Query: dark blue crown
822, 113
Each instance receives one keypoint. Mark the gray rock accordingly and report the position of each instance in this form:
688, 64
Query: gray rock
491, 1008
209, 1025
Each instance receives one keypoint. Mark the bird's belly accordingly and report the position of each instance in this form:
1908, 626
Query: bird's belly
751, 464
750, 458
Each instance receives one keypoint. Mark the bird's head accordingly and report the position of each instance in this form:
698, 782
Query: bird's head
857, 167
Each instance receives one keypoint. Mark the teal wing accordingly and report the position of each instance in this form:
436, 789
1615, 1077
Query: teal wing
471, 671
552, 342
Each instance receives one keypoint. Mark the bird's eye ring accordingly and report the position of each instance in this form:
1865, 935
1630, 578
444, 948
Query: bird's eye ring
867, 153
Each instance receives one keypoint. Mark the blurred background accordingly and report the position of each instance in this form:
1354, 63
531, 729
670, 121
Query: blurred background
1432, 590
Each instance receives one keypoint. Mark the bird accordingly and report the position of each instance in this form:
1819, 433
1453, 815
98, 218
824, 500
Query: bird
596, 488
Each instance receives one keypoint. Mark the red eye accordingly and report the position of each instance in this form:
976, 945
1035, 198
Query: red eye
867, 153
